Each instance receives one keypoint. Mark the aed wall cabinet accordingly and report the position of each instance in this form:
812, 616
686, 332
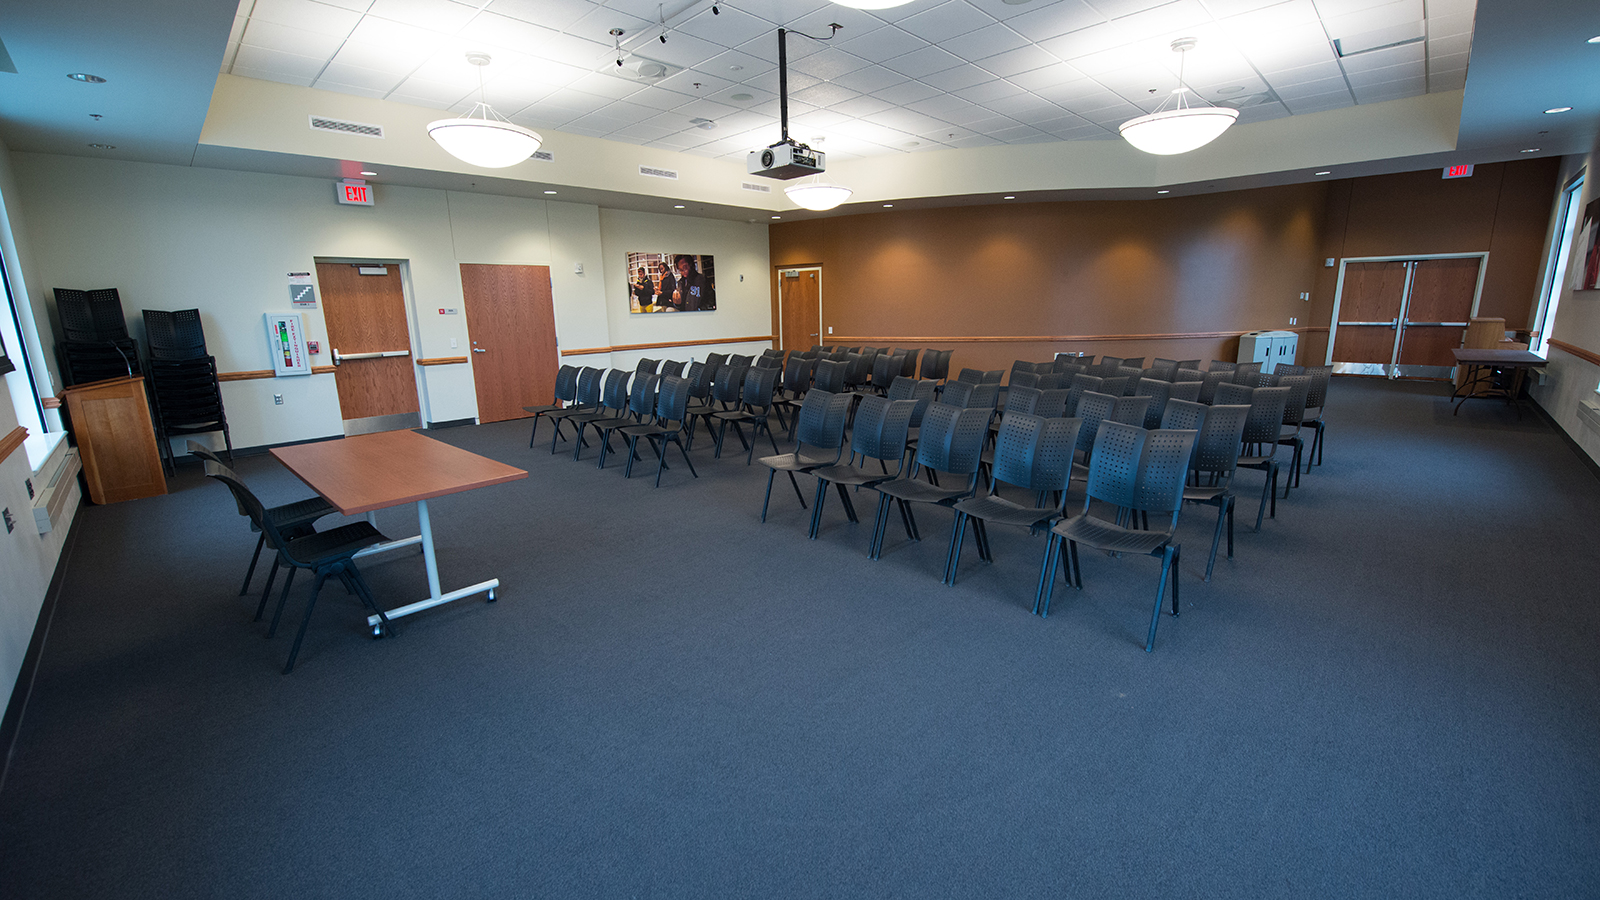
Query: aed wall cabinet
286, 342
1270, 348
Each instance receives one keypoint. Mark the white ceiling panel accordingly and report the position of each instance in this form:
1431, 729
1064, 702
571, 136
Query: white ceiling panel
730, 29
824, 95
985, 42
1311, 88
282, 63
954, 79
1045, 77
1304, 74
1383, 59
493, 31
432, 15
1025, 107
307, 15
982, 94
907, 92
908, 121
863, 106
1320, 103
1054, 19
1015, 62
283, 78
945, 21
922, 62
1452, 80
880, 45
869, 79
358, 76
298, 41
556, 14
829, 64
798, 81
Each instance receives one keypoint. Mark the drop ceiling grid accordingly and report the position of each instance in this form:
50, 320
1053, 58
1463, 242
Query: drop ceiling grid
933, 73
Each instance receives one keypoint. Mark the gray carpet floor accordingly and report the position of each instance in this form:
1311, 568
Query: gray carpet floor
1391, 692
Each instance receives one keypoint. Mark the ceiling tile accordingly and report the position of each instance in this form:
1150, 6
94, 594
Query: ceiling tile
883, 44
443, 16
1083, 42
1311, 88
606, 85
429, 93
816, 120
976, 140
1443, 63
280, 77
1320, 102
371, 79
1116, 9
1025, 107
828, 64
982, 94
986, 42
1451, 80
556, 14
922, 61
658, 98
824, 95
957, 78
855, 22
704, 109
945, 21
395, 36
908, 121
1304, 74
1375, 18
730, 29
685, 82
1016, 134
1015, 62
873, 132
1445, 26
1408, 71
777, 11
1449, 46
798, 81
907, 93
869, 79
1263, 24
742, 96
1225, 8
277, 61
291, 40
1054, 19
1048, 76
1383, 59
379, 58
573, 51
737, 65
863, 107
306, 15
682, 50
943, 106
1291, 48
1263, 113
502, 31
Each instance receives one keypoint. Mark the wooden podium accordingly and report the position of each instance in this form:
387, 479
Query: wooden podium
111, 420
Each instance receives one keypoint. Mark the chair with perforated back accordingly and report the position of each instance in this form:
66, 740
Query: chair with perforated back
1316, 400
641, 406
754, 409
1188, 391
715, 360
936, 364
1159, 391
1261, 430
1183, 415
885, 369
1188, 364
1064, 361
1052, 403
1216, 457
1049, 381
671, 421
830, 376
1081, 384
726, 389
647, 367
1133, 375
1107, 366
293, 519
1282, 369
951, 444
858, 369
1131, 410
797, 371
585, 399
1209, 384
1115, 385
1220, 365
922, 390
673, 367
878, 435
819, 441
1248, 374
1230, 394
1134, 471
970, 376
324, 553
1164, 369
1032, 454
1294, 413
1133, 362
1093, 409
566, 392
908, 361
1188, 374
741, 360
613, 405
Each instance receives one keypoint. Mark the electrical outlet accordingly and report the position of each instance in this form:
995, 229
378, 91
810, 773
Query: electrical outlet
452, 343
830, 329
277, 399
1291, 320
577, 268
1328, 263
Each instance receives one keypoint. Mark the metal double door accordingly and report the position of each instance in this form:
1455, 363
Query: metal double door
1402, 317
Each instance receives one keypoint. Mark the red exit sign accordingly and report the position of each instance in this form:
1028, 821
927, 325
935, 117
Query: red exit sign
358, 193
1458, 171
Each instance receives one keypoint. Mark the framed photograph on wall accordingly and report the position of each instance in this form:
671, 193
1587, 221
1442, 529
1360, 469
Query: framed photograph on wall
671, 282
1586, 275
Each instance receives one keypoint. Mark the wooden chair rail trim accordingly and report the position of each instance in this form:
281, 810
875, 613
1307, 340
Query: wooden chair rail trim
12, 441
442, 361
265, 373
1035, 338
618, 348
1588, 356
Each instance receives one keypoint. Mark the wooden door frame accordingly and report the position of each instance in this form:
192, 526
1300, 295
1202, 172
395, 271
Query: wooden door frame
777, 323
1405, 299
413, 325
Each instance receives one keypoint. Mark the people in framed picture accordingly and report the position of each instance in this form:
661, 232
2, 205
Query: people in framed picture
692, 291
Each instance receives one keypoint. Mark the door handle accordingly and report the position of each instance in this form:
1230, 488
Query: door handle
1392, 323
479, 350
379, 354
1444, 324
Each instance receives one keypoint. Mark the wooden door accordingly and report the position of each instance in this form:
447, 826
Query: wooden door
366, 314
1438, 310
1369, 312
799, 308
512, 325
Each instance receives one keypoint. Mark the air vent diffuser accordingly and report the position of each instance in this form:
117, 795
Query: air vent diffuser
340, 126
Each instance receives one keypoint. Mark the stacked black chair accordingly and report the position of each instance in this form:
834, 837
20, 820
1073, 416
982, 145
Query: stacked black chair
830, 376
1134, 471
1316, 399
183, 380
673, 367
1209, 383
1159, 391
1261, 431
1164, 369
1080, 384
1185, 390
94, 336
1294, 413
797, 373
726, 390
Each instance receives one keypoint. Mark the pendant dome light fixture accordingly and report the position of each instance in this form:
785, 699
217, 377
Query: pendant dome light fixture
817, 195
1166, 132
483, 137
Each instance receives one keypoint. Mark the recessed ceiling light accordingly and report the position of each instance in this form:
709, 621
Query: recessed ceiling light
86, 78
369, 173
1531, 150
777, 217
1557, 109
1011, 197
103, 146
1163, 192
1595, 39
549, 192
913, 143
1322, 173
741, 97
1015, 2
703, 124
1231, 89
888, 206
736, 68
677, 206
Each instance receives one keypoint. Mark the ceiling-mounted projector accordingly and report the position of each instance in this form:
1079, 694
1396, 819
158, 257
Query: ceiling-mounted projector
786, 159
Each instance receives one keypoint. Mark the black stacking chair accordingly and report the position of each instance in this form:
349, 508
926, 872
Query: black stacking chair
613, 405
566, 393
673, 368
754, 408
584, 401
1216, 456
1261, 430
968, 395
1183, 415
879, 434
1133, 362
324, 553
1220, 365
830, 376
726, 388
1189, 374
922, 390
858, 370
936, 364
1316, 399
1107, 366
908, 362
1093, 409
1159, 391
1188, 391
641, 405
1247, 374
1023, 379
819, 441
672, 402
1164, 369
1081, 384
1130, 410
292, 519
647, 367
951, 443
1208, 385
1282, 369
1294, 413
1136, 472
1114, 385
797, 373
1033, 454
700, 375
1188, 364
885, 369
1133, 375
741, 361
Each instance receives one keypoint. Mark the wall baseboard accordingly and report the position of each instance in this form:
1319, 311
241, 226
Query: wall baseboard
17, 705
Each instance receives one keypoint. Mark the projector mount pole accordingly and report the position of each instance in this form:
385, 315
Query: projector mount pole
783, 74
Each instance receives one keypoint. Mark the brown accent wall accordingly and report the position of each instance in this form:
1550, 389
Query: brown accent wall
1046, 277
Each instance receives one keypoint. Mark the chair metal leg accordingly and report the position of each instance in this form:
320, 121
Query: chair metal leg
879, 526
981, 533
816, 509
283, 598
1074, 567
1268, 489
849, 507
771, 473
686, 458
266, 592
1161, 592
1216, 538
1047, 574
322, 575
958, 537
912, 531
797, 493
250, 572
1177, 573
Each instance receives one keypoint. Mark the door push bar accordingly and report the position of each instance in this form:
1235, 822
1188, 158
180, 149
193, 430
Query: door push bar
1392, 323
380, 354
1445, 324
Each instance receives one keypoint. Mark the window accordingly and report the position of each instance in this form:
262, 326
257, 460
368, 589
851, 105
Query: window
1556, 274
